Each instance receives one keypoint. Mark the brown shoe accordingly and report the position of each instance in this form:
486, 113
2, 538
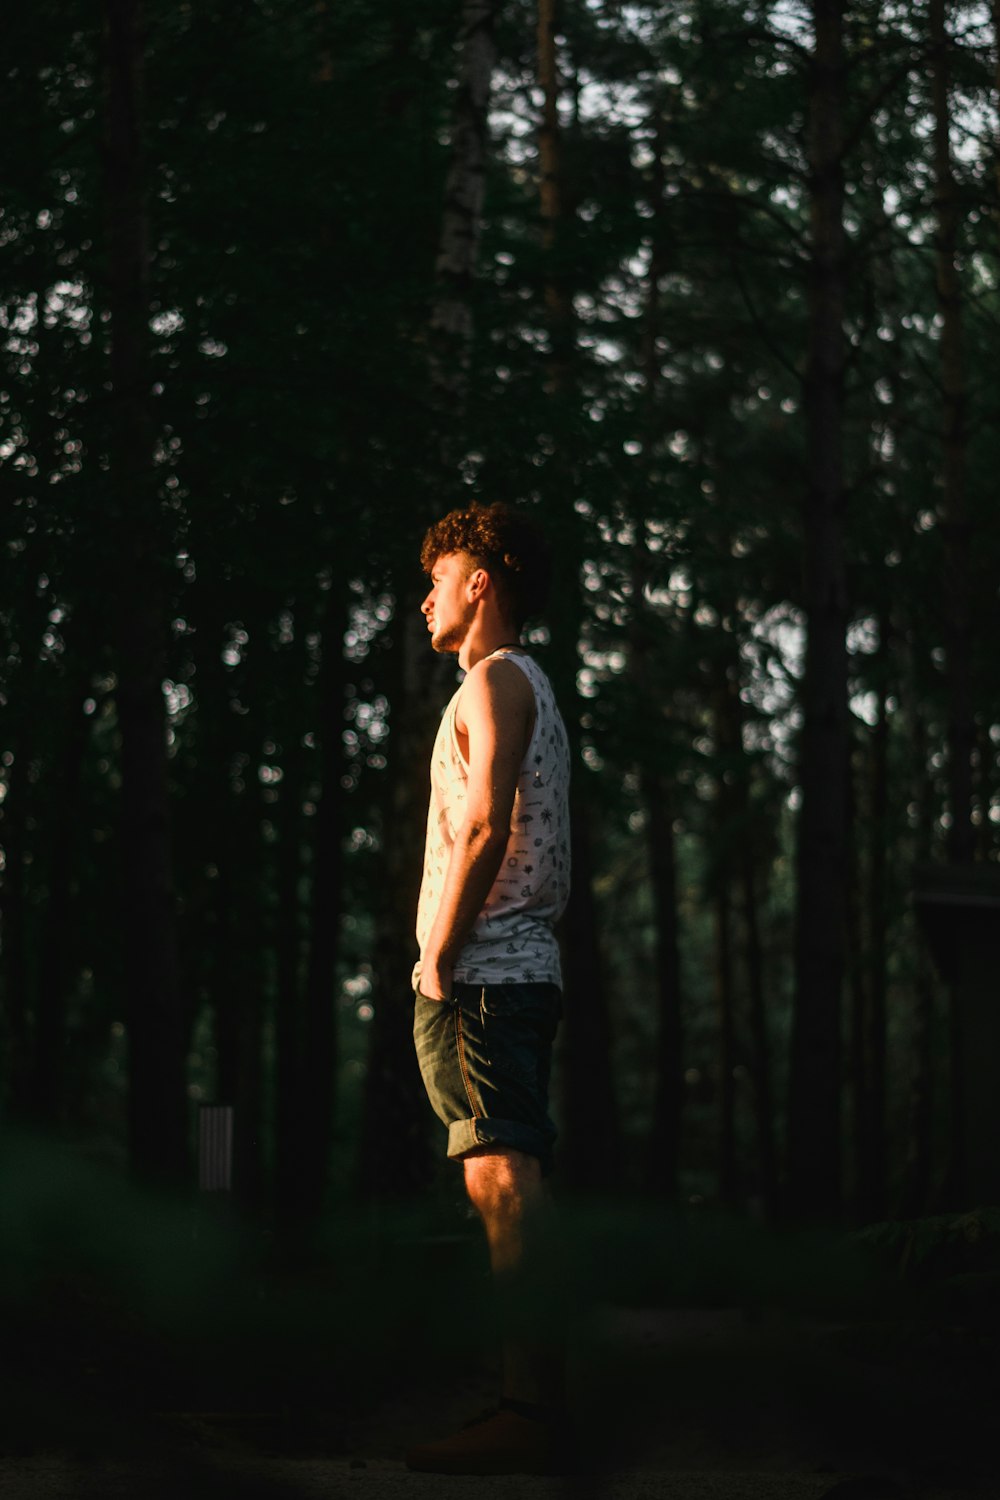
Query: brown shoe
503, 1442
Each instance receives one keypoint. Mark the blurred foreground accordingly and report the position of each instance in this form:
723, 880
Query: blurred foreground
161, 1348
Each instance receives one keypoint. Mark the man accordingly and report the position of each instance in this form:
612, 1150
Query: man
488, 998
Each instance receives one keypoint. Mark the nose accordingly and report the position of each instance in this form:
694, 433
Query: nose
425, 607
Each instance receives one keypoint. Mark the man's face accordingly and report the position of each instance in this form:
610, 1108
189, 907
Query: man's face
447, 609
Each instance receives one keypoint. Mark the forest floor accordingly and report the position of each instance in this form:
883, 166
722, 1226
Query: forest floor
695, 1404
156, 1351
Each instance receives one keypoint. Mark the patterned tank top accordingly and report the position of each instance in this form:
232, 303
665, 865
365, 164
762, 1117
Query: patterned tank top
513, 938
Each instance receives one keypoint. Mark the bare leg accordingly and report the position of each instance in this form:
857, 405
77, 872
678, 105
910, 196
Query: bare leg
508, 1191
526, 1435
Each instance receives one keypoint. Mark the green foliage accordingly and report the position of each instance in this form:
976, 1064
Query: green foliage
294, 163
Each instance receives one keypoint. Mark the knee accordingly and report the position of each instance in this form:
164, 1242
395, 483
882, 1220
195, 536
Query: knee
483, 1182
498, 1181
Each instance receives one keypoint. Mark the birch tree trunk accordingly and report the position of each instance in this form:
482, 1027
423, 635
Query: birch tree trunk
814, 1122
156, 1029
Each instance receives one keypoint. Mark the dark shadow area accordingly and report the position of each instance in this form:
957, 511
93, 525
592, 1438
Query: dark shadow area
141, 1330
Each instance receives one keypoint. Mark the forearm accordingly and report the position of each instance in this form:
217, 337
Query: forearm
475, 859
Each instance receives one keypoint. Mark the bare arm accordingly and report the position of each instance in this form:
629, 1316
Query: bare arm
495, 711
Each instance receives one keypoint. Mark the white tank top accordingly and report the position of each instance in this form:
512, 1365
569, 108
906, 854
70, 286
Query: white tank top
512, 939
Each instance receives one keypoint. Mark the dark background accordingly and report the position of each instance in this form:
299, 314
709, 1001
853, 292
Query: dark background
712, 289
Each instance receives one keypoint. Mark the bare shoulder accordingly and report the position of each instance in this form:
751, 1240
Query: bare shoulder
496, 687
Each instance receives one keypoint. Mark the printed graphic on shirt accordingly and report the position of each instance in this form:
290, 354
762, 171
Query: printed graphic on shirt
513, 938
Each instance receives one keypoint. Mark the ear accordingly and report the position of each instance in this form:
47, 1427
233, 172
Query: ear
476, 583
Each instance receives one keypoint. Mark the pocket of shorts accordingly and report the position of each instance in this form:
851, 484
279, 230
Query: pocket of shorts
430, 999
519, 1023
520, 999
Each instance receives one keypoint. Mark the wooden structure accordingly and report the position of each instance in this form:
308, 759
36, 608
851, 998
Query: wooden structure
958, 907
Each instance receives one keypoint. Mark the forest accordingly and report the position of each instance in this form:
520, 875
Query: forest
711, 288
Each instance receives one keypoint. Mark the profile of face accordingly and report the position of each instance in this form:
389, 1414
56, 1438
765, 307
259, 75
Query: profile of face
450, 606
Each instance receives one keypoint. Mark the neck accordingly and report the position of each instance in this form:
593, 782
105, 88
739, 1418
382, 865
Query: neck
484, 638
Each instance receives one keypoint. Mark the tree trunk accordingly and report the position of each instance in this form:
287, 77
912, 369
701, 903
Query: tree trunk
856, 1072
737, 811
871, 1125
54, 975
16, 949
591, 1157
558, 302
814, 1119
725, 1010
732, 817
591, 1153
916, 1194
289, 1031
668, 1097
451, 323
917, 1190
320, 1062
728, 751
394, 1159
871, 1143
239, 997
954, 514
954, 519
156, 1032
985, 790
762, 1093
996, 91
663, 1161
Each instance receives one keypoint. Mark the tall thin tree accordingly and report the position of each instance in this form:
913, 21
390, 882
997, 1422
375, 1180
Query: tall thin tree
663, 1159
393, 1156
157, 1098
814, 1116
592, 1135
954, 510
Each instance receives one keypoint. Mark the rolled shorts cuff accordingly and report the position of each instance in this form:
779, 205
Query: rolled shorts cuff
466, 1135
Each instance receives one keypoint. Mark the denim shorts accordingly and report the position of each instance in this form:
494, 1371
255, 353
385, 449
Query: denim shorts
485, 1056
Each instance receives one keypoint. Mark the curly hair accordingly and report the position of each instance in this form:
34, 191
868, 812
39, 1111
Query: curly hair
507, 543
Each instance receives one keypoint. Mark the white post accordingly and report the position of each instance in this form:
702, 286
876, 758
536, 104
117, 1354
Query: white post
215, 1148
